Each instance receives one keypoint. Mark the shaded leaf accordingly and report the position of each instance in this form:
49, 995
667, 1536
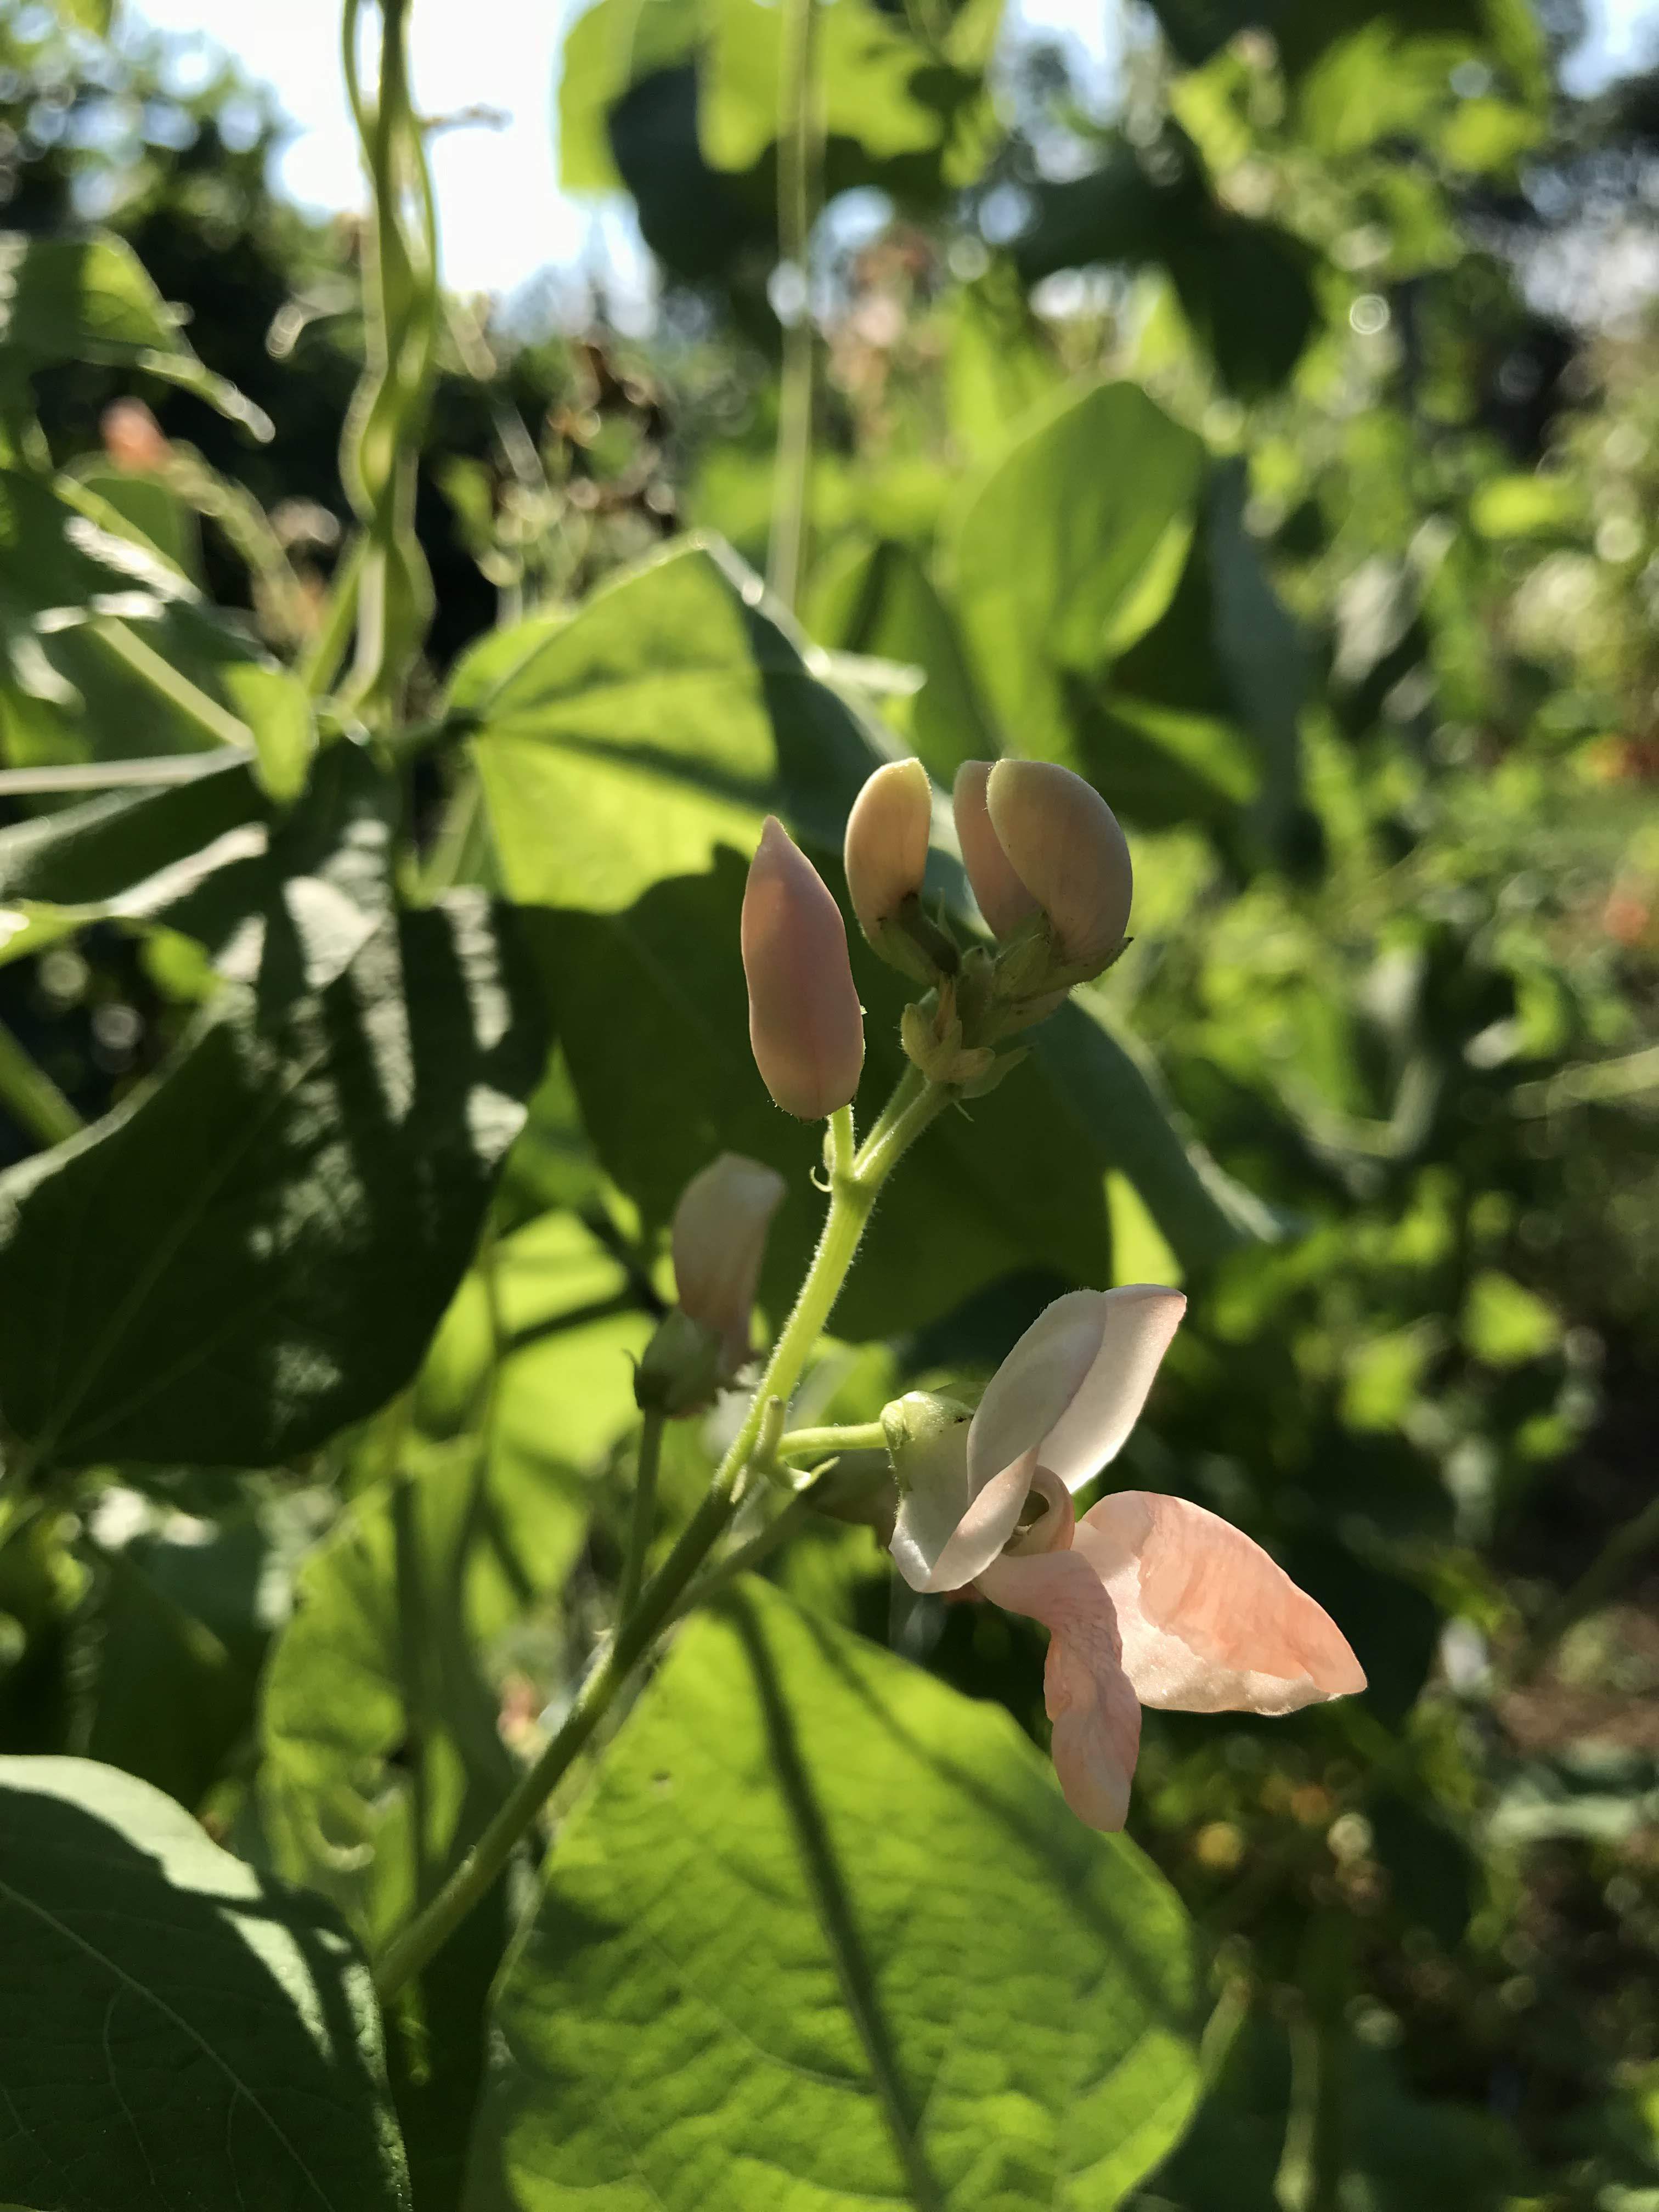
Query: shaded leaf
254, 1249
90, 299
945, 1992
179, 2030
1070, 550
107, 650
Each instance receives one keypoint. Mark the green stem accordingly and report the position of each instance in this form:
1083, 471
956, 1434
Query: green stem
759, 1548
813, 1443
854, 1181
333, 640
31, 1097
645, 1513
799, 164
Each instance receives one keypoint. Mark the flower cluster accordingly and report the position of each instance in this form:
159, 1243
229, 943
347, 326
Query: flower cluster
1050, 868
1149, 1600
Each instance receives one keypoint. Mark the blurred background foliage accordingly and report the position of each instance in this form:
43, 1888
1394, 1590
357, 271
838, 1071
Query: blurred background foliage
1280, 449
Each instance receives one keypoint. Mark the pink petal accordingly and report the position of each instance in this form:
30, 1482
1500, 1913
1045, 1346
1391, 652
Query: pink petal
1097, 1720
1076, 1382
1210, 1623
944, 1534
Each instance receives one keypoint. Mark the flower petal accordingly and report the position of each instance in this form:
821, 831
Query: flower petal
1097, 1719
1035, 1383
1210, 1623
945, 1533
1076, 1382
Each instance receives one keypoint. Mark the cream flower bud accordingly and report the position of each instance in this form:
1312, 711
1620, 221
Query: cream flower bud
887, 833
886, 850
720, 1233
1063, 842
805, 1025
1003, 899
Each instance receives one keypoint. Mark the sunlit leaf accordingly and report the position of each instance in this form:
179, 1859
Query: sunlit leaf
660, 723
823, 1930
1070, 550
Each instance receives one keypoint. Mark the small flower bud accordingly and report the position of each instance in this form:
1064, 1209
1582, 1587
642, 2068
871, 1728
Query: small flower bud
886, 853
720, 1233
133, 439
1003, 899
1064, 844
887, 835
805, 1025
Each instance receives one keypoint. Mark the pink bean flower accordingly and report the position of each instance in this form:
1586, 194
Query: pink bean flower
1148, 1600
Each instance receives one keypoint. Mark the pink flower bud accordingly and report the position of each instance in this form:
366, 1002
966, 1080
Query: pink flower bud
132, 437
1003, 899
720, 1225
887, 835
1064, 844
805, 1025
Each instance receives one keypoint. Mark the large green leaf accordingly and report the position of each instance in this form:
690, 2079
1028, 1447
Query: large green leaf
107, 650
877, 598
823, 1933
89, 299
177, 2031
382, 1757
896, 108
659, 726
478, 1523
201, 860
1198, 720
608, 48
88, 855
887, 96
1071, 549
254, 1249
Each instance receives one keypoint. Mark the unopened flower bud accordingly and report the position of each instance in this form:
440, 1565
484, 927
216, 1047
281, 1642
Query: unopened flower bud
720, 1227
132, 437
1064, 844
886, 853
805, 1025
1003, 898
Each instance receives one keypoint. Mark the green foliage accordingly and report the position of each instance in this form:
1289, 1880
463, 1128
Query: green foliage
180, 2030
372, 877
283, 1214
89, 299
873, 1834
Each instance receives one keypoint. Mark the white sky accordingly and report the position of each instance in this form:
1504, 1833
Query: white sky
504, 217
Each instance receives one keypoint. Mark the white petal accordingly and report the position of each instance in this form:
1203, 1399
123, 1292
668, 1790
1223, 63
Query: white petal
1035, 1383
944, 1536
1210, 1623
1076, 1382
1097, 1718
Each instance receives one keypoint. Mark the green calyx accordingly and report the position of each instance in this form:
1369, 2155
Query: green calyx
680, 1370
926, 1438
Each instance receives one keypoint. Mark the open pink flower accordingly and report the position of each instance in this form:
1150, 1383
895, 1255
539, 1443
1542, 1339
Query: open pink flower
1148, 1600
